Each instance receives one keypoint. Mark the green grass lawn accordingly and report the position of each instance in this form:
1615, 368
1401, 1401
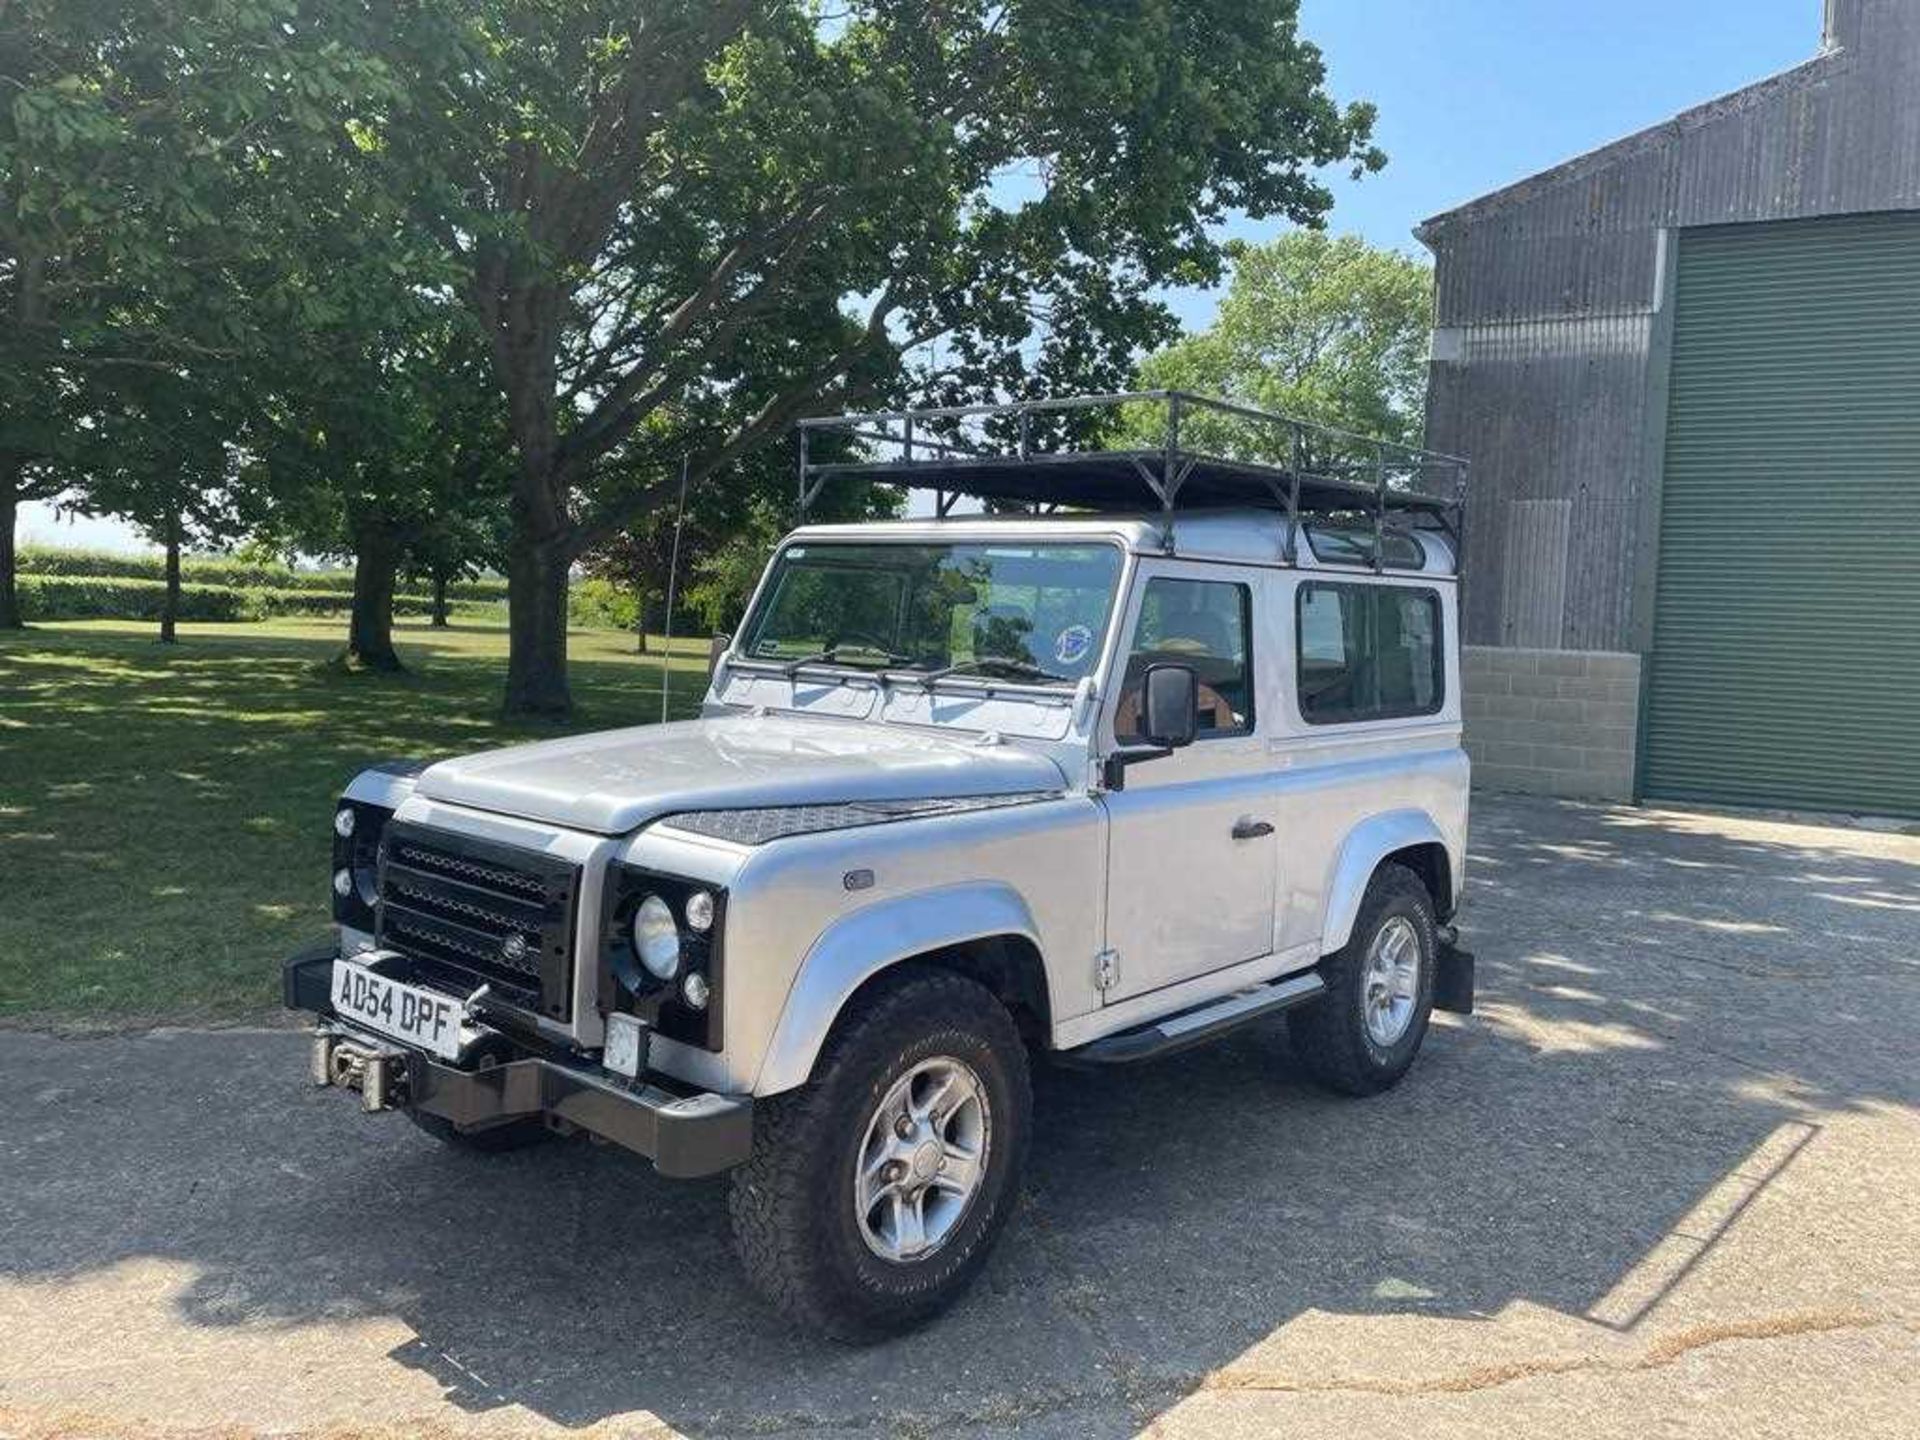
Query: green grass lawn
165, 810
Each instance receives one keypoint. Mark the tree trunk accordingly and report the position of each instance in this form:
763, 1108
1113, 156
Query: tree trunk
439, 599
376, 559
170, 602
523, 318
537, 631
10, 618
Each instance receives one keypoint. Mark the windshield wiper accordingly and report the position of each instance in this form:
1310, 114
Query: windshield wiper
1025, 669
831, 655
793, 667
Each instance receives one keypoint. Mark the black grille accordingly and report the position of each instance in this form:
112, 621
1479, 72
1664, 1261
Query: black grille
468, 911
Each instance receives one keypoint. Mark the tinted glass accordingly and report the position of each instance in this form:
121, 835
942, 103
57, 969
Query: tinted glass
1368, 653
1199, 623
1040, 608
1355, 547
1407, 646
1334, 674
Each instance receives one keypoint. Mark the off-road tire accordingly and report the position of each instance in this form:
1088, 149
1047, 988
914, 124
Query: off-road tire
1330, 1036
792, 1205
492, 1140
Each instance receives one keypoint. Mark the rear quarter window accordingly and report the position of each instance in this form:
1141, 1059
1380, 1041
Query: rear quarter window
1368, 652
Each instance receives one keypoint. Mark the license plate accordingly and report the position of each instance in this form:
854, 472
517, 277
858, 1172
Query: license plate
401, 1012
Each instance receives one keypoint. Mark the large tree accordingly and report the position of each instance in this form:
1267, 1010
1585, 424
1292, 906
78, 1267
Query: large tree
378, 438
684, 223
144, 146
156, 451
1320, 328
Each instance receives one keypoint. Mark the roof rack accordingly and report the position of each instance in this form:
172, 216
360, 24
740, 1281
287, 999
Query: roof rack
1165, 450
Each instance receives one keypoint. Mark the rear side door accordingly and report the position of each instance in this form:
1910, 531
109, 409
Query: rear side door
1193, 841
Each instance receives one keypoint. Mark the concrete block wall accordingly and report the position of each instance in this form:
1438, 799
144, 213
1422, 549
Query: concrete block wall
1551, 722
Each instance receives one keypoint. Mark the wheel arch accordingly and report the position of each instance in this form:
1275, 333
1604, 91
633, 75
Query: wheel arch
1406, 837
984, 931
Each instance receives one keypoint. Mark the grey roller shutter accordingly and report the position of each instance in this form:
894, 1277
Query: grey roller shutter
1786, 650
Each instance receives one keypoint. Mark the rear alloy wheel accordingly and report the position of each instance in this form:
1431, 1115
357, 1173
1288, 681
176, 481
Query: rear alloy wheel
1390, 982
876, 1191
1361, 1036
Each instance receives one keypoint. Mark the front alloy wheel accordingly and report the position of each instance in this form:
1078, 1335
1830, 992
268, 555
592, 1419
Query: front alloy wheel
875, 1192
926, 1151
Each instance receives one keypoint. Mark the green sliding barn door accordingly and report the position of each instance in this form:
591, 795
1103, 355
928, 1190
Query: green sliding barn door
1786, 650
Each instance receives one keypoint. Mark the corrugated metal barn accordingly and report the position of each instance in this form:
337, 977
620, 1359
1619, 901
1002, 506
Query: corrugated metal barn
1686, 368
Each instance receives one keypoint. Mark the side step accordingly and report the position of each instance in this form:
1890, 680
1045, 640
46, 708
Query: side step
1199, 1025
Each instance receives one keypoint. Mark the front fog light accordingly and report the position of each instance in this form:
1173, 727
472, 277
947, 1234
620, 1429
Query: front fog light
343, 822
694, 991
700, 911
343, 882
656, 939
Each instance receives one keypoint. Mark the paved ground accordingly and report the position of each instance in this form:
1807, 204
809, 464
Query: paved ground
1667, 1182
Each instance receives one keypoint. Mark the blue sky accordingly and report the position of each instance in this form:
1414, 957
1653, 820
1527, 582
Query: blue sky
1473, 94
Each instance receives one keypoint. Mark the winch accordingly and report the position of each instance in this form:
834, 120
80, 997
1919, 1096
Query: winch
351, 1063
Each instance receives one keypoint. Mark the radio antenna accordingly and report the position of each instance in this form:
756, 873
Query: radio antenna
673, 582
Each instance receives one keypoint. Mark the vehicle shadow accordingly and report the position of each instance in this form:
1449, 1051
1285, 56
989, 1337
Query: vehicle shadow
1668, 1002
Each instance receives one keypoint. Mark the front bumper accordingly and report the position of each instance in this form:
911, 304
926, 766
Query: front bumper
684, 1135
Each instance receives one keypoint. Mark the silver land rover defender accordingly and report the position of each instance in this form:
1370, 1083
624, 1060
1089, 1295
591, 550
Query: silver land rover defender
1167, 743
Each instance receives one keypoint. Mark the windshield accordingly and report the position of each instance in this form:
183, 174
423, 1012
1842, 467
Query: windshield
1033, 612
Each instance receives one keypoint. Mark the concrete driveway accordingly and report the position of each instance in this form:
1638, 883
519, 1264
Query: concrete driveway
1666, 1182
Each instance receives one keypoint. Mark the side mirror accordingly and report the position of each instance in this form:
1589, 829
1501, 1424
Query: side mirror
716, 647
1172, 706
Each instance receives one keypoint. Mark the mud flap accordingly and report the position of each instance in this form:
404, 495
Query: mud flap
1453, 980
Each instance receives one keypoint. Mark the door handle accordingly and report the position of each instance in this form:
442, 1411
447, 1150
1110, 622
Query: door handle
1247, 828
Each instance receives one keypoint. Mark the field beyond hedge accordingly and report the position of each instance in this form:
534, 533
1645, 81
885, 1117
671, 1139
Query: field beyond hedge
164, 810
225, 570
58, 584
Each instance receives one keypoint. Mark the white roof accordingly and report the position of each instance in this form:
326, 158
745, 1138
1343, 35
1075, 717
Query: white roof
1248, 537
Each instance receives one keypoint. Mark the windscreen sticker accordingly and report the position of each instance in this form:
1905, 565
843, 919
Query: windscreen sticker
1071, 645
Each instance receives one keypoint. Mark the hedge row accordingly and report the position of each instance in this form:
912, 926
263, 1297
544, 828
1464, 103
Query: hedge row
67, 597
224, 571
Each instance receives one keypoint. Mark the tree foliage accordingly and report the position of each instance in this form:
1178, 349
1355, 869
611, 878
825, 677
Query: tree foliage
488, 271
1320, 328
382, 440
145, 153
156, 450
683, 223
729, 532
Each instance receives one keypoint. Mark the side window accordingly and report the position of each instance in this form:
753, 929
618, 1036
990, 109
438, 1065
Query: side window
1333, 672
1204, 624
1368, 652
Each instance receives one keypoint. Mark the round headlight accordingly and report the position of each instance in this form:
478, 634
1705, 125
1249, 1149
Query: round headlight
656, 939
343, 822
700, 911
343, 882
694, 990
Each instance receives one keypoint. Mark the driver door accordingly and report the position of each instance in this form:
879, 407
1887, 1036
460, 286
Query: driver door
1192, 867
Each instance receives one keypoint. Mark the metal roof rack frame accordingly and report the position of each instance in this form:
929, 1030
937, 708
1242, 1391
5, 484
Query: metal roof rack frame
1166, 450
